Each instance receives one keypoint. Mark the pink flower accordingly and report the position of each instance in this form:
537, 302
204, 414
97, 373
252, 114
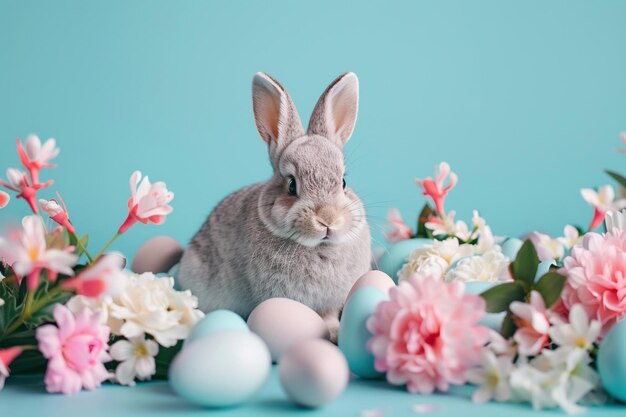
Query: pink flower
398, 230
148, 202
435, 188
596, 277
427, 335
4, 199
36, 157
104, 276
18, 182
533, 325
76, 349
602, 201
6, 357
28, 254
57, 213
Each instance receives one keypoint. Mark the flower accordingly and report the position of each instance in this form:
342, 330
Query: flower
596, 277
36, 157
18, 182
436, 259
615, 220
7, 356
148, 202
548, 249
150, 305
602, 201
105, 274
28, 254
136, 357
398, 230
76, 349
571, 237
57, 213
4, 199
580, 332
435, 188
491, 266
427, 335
492, 376
533, 324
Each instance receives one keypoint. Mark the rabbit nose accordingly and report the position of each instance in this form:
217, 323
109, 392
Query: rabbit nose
329, 217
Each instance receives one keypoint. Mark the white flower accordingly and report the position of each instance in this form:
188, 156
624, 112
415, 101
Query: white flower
136, 357
492, 376
442, 227
151, 305
580, 332
101, 305
50, 207
435, 259
604, 199
489, 267
570, 238
615, 220
38, 153
548, 249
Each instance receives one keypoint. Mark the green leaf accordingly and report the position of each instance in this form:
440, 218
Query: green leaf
550, 286
524, 267
164, 358
617, 177
508, 326
11, 310
499, 298
423, 217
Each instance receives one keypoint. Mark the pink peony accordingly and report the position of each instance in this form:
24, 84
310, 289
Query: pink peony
76, 349
427, 335
596, 277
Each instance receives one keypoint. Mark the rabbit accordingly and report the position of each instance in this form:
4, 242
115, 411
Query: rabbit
302, 234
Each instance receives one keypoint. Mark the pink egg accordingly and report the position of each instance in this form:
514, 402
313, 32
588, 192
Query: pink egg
158, 254
376, 279
282, 322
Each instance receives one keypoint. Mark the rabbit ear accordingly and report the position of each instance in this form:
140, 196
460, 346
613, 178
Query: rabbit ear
335, 113
275, 115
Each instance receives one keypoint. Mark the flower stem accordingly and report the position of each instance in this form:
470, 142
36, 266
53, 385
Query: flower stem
107, 245
30, 308
28, 305
83, 247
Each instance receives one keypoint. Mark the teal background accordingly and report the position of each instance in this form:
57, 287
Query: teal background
524, 99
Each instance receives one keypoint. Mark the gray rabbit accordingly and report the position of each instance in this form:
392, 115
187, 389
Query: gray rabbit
303, 233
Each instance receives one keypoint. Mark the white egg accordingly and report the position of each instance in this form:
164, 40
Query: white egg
376, 279
157, 255
313, 372
282, 322
221, 369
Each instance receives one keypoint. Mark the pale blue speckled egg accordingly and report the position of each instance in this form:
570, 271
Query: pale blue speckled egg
221, 369
612, 361
353, 333
214, 322
396, 256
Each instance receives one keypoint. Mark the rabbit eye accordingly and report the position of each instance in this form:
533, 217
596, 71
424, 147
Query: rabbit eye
291, 186
344, 183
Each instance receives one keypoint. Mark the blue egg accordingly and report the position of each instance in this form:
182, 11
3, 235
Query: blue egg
353, 333
543, 268
396, 256
511, 247
612, 361
214, 322
491, 320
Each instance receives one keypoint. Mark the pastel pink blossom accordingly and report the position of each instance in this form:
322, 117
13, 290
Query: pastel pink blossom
148, 202
7, 356
105, 275
35, 156
57, 213
28, 254
18, 182
427, 335
76, 349
435, 189
602, 201
533, 324
596, 277
397, 229
4, 199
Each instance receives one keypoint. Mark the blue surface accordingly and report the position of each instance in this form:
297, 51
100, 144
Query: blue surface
25, 397
524, 99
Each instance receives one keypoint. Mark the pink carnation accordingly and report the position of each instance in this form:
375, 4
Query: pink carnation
427, 335
76, 349
596, 277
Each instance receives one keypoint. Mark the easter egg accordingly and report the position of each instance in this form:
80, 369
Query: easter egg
216, 321
612, 361
158, 254
491, 320
353, 333
376, 279
543, 268
511, 247
282, 322
397, 255
221, 369
313, 372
